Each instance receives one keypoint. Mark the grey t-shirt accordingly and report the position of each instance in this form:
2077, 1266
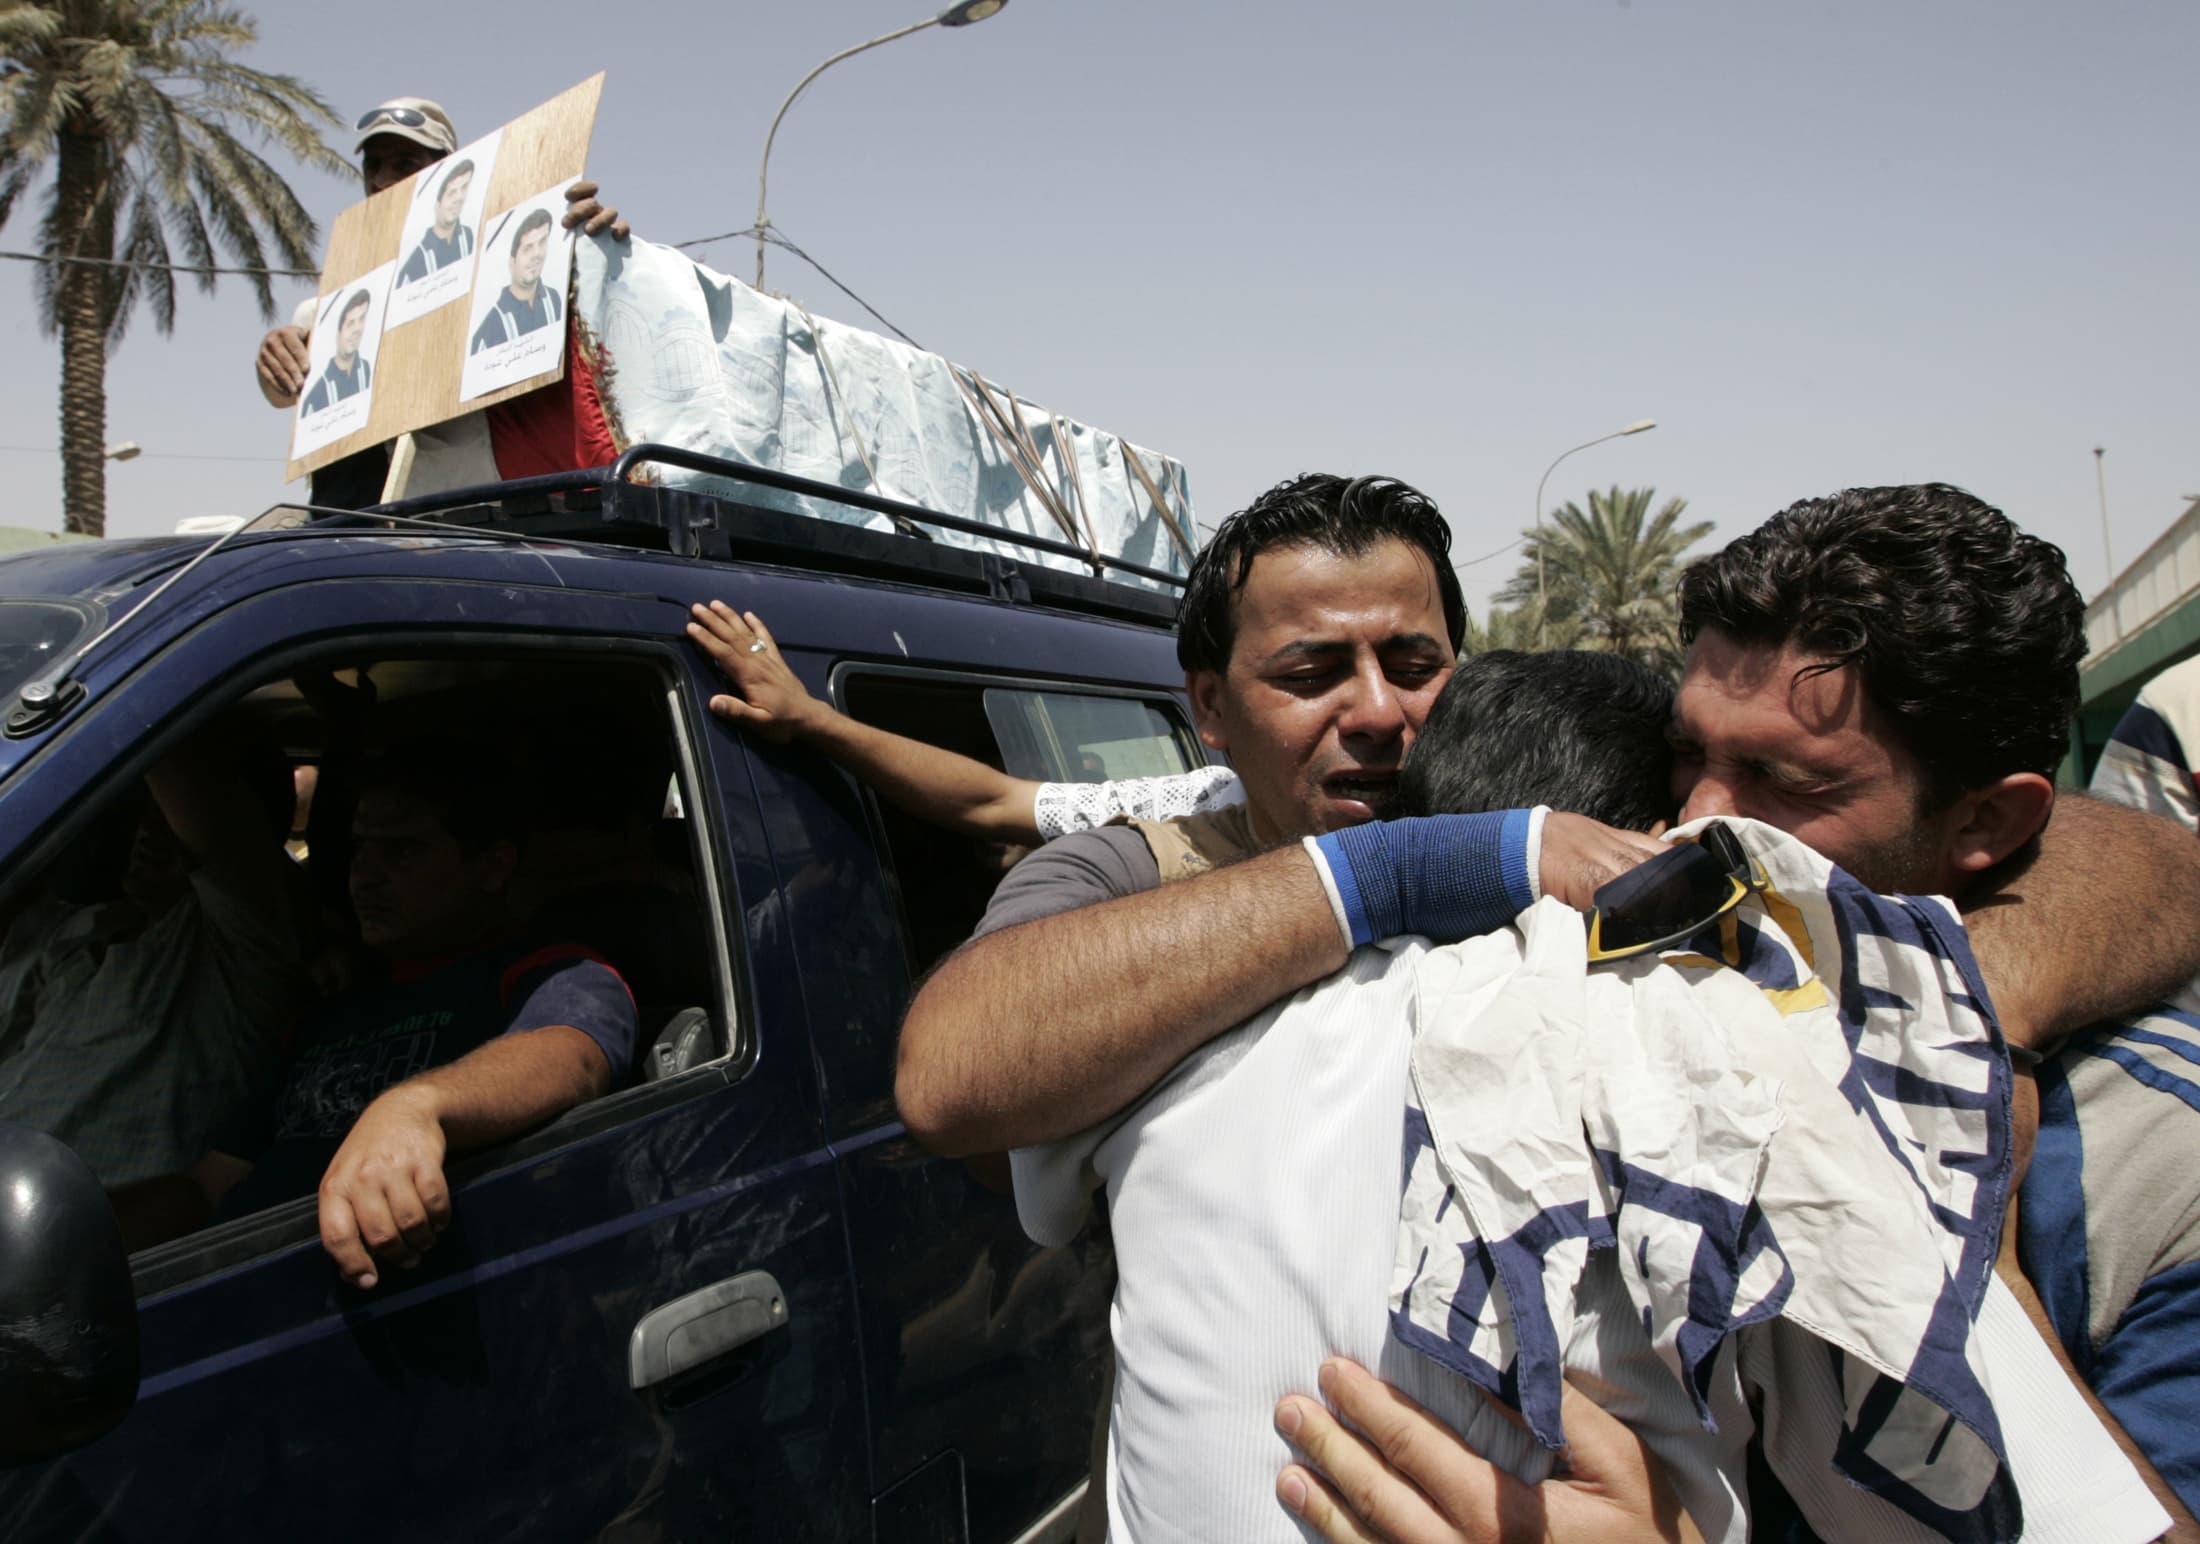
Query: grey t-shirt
1102, 864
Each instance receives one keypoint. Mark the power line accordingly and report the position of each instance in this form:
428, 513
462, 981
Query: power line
771, 234
1500, 552
127, 262
150, 455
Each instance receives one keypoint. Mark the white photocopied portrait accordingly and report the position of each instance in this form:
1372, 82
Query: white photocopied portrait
517, 326
340, 350
436, 250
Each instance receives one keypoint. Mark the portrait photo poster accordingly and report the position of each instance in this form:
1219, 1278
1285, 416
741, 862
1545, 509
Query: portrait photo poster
423, 357
436, 250
516, 328
340, 357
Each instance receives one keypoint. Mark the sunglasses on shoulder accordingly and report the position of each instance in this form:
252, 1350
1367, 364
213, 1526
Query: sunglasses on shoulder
407, 117
1673, 896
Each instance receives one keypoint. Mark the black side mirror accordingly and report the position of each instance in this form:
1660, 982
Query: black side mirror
68, 1313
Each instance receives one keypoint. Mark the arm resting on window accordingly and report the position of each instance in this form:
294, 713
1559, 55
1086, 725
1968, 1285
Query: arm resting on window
384, 1198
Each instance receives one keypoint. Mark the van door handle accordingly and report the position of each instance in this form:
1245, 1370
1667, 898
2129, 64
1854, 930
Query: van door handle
683, 1334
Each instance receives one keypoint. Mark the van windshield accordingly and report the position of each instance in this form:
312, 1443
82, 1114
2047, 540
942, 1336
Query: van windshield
34, 634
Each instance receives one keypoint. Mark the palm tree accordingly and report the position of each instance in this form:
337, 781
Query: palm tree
137, 104
1609, 575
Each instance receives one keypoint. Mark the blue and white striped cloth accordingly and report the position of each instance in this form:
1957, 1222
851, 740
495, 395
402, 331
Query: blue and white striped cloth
1798, 1123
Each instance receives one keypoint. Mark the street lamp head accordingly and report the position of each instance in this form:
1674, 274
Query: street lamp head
128, 450
1639, 425
966, 13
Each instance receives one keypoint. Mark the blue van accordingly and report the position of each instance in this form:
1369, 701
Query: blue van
731, 1299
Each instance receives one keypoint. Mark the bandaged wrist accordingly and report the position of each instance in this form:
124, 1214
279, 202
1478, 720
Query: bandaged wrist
1446, 876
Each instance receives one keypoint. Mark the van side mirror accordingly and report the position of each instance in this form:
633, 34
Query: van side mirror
68, 1312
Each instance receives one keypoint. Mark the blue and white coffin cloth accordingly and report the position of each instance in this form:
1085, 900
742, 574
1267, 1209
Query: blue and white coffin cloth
1801, 1115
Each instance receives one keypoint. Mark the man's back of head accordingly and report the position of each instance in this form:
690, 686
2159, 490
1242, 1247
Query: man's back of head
1576, 730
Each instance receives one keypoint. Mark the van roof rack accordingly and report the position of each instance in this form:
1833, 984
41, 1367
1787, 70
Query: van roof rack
606, 505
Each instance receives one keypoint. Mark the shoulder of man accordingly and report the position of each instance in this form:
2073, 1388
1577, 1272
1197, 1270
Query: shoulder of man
2112, 1199
571, 984
1073, 871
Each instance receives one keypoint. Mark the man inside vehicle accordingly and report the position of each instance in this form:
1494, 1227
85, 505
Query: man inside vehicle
147, 980
554, 429
474, 1033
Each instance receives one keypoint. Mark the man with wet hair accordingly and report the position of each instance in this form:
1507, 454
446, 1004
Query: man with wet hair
1318, 626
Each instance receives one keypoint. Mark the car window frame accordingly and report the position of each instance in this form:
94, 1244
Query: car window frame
294, 1224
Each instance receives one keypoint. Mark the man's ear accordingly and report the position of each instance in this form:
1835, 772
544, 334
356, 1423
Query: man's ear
1205, 687
1994, 821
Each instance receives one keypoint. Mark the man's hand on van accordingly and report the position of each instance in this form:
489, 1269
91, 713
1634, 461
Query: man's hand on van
772, 702
928, 781
282, 366
384, 1198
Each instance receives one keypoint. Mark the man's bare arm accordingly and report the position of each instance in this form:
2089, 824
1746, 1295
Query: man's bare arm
384, 1198
1034, 1032
2102, 919
1040, 1030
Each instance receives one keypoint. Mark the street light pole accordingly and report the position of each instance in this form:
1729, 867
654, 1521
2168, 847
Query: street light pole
1542, 617
962, 14
2100, 480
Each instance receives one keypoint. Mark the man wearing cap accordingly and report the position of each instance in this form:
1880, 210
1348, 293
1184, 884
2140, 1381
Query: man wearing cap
402, 136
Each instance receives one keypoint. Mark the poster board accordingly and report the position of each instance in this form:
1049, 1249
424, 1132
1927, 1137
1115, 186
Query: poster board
423, 326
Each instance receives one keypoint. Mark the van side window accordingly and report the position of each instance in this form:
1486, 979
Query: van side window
349, 876
1052, 734
1067, 737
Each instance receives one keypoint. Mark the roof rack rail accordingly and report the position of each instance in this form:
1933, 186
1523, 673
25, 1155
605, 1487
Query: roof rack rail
605, 504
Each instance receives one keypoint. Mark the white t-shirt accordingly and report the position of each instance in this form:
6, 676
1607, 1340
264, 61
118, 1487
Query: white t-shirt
1254, 1202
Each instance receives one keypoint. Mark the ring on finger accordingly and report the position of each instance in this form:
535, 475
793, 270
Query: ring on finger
757, 647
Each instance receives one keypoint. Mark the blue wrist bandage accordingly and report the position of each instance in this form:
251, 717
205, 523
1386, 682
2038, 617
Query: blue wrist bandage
1446, 876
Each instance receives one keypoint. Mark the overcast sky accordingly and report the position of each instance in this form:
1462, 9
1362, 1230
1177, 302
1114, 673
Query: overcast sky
1822, 244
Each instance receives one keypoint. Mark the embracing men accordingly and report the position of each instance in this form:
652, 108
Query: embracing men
1886, 675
